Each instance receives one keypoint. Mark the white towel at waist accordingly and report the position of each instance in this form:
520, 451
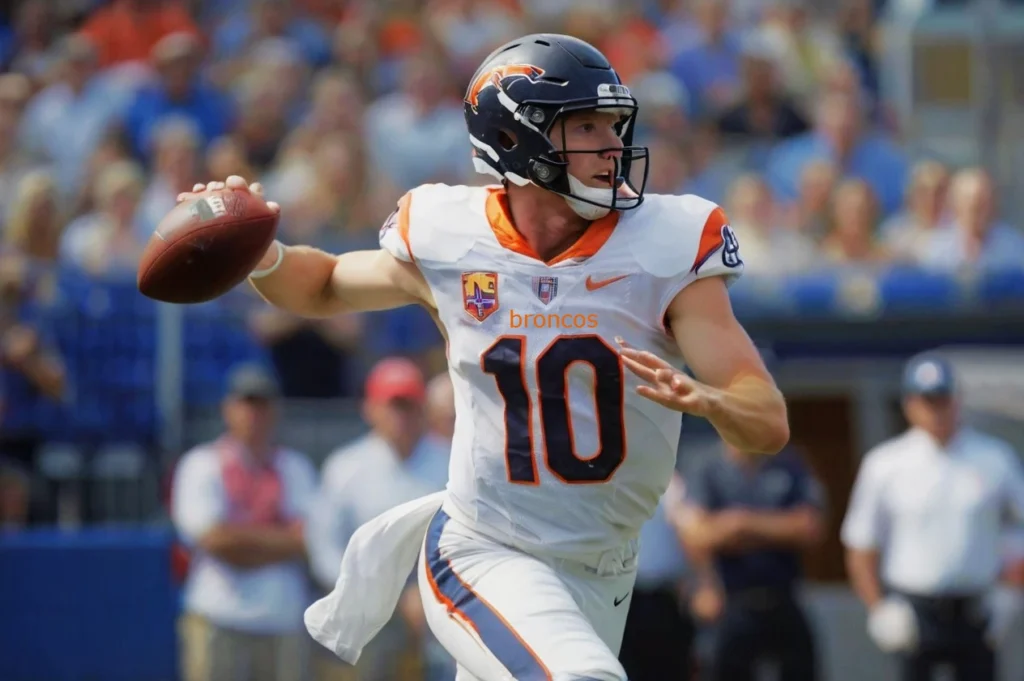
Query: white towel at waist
374, 571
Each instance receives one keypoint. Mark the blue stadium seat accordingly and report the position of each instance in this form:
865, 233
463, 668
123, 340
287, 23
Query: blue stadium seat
109, 341
754, 296
1002, 287
910, 290
216, 338
812, 295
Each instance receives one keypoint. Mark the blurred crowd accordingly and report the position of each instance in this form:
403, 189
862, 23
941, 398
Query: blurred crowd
110, 108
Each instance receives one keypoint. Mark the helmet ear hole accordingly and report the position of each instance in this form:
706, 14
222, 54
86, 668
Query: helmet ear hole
507, 140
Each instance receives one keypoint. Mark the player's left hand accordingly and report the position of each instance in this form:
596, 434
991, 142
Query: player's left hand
667, 386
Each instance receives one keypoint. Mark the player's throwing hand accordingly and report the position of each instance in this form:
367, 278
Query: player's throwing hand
233, 182
668, 387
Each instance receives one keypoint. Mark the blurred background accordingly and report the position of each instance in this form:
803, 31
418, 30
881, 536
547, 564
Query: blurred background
866, 151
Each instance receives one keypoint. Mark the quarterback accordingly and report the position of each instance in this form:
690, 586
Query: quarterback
566, 434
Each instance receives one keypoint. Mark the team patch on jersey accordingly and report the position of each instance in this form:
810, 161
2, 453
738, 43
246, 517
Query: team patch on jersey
546, 288
730, 248
480, 294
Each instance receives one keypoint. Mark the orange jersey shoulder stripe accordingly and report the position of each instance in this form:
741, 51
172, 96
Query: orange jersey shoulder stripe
404, 206
710, 238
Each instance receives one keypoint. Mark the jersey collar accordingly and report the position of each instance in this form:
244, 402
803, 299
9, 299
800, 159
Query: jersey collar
500, 220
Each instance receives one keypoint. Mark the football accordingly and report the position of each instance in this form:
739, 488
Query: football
206, 246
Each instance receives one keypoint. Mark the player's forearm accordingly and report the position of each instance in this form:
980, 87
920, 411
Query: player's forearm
751, 416
302, 282
862, 566
796, 529
311, 283
252, 547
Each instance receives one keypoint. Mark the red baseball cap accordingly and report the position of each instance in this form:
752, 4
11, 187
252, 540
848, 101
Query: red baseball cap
395, 378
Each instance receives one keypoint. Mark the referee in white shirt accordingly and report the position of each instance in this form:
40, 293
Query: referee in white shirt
923, 531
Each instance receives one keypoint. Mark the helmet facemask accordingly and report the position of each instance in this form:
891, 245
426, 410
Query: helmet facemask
626, 181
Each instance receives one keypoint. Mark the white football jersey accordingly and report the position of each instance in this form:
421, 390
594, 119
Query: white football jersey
553, 449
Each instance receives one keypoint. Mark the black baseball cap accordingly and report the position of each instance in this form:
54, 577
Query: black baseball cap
252, 381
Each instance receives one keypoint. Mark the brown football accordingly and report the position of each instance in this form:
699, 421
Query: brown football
206, 246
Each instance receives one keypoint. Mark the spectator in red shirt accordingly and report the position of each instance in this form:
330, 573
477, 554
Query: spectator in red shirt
128, 30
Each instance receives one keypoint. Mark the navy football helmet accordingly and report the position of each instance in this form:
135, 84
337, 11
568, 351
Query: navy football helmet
521, 90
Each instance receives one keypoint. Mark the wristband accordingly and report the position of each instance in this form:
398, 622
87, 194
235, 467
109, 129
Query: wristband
259, 274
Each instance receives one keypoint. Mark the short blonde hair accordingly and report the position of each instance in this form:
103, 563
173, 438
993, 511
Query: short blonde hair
115, 178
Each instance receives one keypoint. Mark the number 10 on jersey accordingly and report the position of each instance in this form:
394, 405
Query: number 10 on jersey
506, 361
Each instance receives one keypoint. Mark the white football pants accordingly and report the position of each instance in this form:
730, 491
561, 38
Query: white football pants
504, 614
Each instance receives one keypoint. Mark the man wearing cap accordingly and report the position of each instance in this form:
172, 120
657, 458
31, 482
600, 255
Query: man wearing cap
239, 503
396, 462
924, 531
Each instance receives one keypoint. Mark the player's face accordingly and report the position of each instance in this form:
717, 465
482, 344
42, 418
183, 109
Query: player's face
589, 131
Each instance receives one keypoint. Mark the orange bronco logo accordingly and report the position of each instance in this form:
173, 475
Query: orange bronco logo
493, 77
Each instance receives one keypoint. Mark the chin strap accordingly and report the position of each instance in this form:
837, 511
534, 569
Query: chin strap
587, 211
590, 211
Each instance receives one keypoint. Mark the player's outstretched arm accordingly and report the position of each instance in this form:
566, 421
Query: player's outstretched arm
733, 390
312, 283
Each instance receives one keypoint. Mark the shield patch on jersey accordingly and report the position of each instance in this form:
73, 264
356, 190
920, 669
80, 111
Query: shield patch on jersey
546, 288
480, 294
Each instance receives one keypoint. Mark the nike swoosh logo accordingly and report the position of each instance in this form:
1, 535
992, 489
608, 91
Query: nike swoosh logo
618, 601
594, 285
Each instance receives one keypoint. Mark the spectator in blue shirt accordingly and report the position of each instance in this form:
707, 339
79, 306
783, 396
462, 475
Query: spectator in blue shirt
32, 375
709, 69
418, 133
764, 113
179, 90
67, 120
271, 19
840, 136
974, 237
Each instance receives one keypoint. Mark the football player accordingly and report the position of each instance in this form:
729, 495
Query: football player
570, 302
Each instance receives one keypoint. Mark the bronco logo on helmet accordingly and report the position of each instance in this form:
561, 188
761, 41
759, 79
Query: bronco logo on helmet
493, 77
